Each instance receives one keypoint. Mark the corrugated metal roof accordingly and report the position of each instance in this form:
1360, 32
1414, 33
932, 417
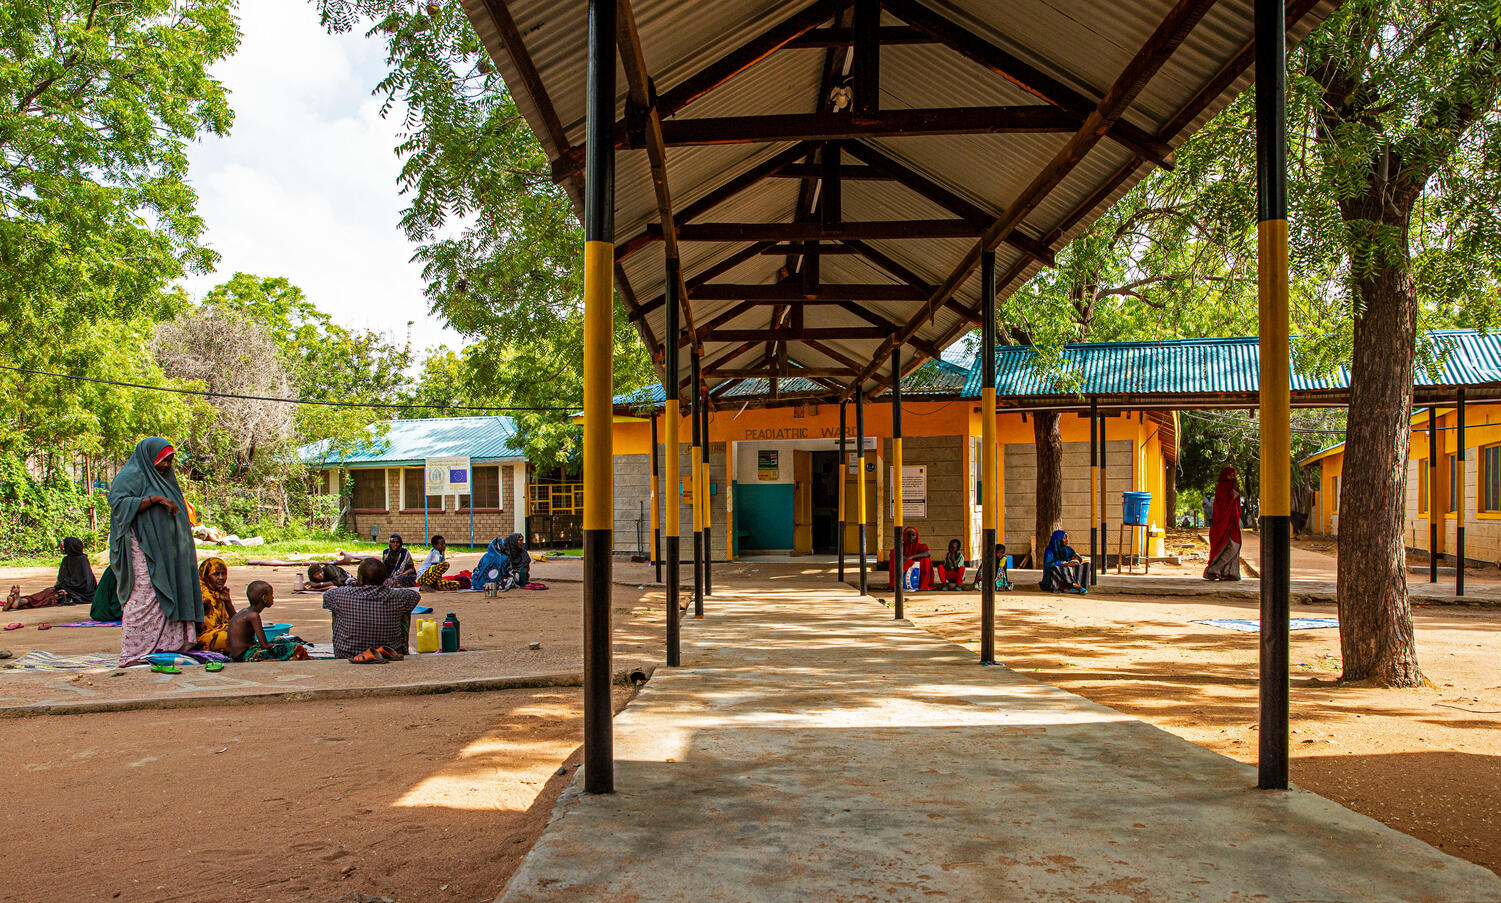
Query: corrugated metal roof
1083, 44
1204, 367
941, 378
485, 440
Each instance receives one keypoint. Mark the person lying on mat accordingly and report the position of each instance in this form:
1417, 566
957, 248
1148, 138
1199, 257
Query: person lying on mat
326, 576
371, 617
247, 635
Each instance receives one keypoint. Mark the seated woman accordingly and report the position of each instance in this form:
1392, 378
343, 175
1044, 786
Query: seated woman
1062, 568
951, 571
913, 552
106, 606
218, 610
516, 570
75, 582
400, 571
491, 565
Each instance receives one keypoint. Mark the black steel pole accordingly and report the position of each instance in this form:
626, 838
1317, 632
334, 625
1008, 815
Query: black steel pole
860, 480
1276, 384
673, 455
843, 474
656, 502
988, 469
1104, 506
1433, 513
897, 589
1462, 502
699, 482
599, 330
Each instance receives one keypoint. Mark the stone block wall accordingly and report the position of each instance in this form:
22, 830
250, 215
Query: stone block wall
948, 493
1020, 486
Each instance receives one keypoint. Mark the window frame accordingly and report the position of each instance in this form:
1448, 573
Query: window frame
1488, 495
406, 508
385, 490
500, 494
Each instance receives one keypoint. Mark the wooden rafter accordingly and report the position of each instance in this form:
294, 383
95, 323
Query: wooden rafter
1169, 34
899, 229
1038, 119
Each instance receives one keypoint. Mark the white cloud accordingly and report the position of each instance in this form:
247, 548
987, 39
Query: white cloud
305, 184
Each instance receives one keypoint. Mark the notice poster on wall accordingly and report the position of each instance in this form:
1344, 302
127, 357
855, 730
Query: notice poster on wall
447, 475
915, 490
768, 470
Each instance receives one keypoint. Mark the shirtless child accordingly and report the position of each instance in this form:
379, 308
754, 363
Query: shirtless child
247, 637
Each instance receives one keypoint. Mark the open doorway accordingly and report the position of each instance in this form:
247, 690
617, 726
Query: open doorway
825, 496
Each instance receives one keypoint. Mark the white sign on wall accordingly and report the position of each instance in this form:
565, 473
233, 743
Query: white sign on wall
914, 491
447, 475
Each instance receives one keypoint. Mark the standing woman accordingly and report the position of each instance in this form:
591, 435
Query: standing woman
152, 554
1224, 529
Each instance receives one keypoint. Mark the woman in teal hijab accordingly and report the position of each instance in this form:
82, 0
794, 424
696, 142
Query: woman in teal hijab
152, 555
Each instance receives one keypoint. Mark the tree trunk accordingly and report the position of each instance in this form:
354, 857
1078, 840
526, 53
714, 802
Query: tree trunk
1049, 479
1375, 618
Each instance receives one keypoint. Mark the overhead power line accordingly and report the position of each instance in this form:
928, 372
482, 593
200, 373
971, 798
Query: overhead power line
202, 393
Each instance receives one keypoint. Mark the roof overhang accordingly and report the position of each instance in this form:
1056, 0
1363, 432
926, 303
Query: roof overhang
812, 241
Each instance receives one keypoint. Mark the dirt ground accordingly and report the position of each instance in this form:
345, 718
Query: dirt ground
1426, 762
428, 798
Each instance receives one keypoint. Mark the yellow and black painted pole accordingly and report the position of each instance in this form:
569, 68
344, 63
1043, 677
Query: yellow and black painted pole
656, 501
671, 451
696, 381
1432, 494
1104, 505
1459, 499
706, 472
860, 481
599, 336
1276, 386
1094, 485
844, 468
897, 583
989, 491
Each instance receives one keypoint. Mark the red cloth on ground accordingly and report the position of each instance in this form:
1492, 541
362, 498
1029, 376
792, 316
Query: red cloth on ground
1224, 525
909, 549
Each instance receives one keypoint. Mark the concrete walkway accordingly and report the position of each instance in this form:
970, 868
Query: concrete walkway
814, 749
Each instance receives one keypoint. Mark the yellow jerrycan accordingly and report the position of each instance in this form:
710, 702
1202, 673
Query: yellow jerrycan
427, 635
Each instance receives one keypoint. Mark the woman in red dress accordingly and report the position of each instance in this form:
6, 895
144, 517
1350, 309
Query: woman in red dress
913, 552
1224, 529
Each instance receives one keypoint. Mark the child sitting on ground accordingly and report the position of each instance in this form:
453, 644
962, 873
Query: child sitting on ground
1002, 578
247, 636
951, 571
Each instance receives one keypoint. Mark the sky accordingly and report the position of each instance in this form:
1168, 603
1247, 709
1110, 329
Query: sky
304, 186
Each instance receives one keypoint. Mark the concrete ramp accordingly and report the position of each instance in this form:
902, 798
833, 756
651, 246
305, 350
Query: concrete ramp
814, 749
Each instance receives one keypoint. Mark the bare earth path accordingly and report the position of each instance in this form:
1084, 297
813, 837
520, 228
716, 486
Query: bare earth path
813, 749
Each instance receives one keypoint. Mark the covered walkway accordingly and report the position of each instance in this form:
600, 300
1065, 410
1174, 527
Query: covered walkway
810, 748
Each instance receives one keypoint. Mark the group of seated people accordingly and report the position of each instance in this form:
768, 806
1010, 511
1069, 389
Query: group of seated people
505, 563
1062, 568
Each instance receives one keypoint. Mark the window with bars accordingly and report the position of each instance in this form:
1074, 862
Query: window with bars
411, 492
369, 490
486, 487
1490, 479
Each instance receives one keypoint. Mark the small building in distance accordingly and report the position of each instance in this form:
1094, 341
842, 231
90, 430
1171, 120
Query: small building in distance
381, 483
1479, 495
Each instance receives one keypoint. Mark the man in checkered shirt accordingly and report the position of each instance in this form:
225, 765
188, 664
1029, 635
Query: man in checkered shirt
369, 615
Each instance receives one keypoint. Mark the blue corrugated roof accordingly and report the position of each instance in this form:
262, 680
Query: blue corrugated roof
1203, 366
485, 440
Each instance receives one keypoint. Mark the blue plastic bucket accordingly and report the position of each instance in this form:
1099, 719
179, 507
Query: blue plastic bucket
276, 630
1134, 508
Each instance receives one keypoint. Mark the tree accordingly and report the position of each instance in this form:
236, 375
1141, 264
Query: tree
324, 360
98, 102
501, 247
1173, 258
1396, 212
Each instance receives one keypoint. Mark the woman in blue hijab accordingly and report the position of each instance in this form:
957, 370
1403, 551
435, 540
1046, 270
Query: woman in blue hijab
490, 566
1062, 569
152, 555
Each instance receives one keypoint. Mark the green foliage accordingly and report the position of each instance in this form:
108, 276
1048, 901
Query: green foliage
36, 513
324, 360
1209, 440
501, 247
98, 102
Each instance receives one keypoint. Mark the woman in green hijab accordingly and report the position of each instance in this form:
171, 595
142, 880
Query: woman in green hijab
152, 555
